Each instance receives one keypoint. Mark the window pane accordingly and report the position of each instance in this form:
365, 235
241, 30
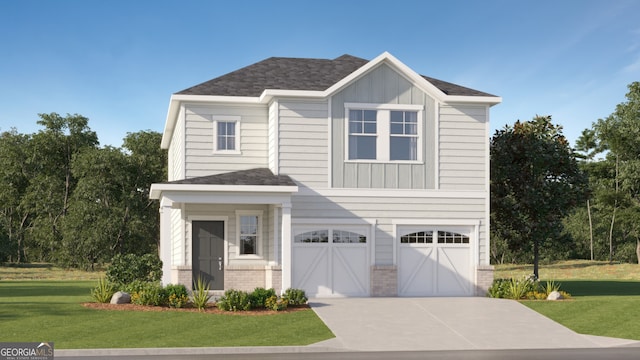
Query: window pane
340, 236
404, 148
396, 128
411, 117
222, 143
231, 143
316, 236
231, 128
362, 147
369, 128
411, 129
247, 245
222, 128
355, 115
370, 115
355, 127
396, 116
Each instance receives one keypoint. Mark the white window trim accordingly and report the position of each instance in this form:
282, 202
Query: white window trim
383, 133
259, 240
226, 118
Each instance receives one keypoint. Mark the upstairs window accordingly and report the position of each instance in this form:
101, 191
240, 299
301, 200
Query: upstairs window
226, 134
383, 133
404, 135
362, 134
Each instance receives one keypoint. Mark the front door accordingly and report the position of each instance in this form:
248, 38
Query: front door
208, 252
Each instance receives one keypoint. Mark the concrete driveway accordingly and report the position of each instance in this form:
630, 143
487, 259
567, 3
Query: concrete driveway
393, 324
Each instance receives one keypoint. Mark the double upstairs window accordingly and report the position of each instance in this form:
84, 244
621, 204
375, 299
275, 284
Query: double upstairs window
383, 133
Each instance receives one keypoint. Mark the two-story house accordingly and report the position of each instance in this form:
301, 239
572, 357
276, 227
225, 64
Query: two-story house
342, 177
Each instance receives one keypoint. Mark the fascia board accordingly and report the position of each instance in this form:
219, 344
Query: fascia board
490, 100
170, 123
157, 189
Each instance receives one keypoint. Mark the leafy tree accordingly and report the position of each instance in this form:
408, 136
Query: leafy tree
620, 135
535, 183
14, 181
49, 192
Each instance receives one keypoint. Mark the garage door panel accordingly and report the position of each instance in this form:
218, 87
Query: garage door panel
312, 269
349, 271
453, 271
417, 271
434, 261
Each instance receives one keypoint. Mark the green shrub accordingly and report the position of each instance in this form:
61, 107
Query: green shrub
103, 292
125, 269
498, 288
259, 297
234, 300
201, 295
518, 289
536, 295
295, 297
276, 304
177, 295
149, 293
550, 286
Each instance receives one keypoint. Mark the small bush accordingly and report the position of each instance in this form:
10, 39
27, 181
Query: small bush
259, 297
498, 288
536, 295
234, 300
125, 269
295, 297
201, 295
103, 292
276, 304
149, 293
177, 295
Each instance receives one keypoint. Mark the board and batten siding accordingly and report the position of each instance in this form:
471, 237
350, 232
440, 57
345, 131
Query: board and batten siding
386, 209
303, 149
463, 147
176, 150
382, 85
200, 159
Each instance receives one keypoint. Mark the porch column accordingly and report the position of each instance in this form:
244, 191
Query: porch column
286, 246
165, 239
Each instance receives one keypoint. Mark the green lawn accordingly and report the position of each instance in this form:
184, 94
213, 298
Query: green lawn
52, 311
605, 297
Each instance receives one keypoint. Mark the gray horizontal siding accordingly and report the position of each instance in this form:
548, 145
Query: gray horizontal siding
387, 209
200, 157
462, 149
303, 149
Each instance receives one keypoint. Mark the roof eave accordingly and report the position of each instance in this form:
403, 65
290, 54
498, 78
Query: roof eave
157, 189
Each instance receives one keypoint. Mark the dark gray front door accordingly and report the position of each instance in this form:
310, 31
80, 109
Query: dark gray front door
208, 252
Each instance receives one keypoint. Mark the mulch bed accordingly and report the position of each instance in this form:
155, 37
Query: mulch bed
211, 309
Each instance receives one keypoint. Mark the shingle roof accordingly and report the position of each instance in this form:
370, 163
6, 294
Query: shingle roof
280, 73
261, 176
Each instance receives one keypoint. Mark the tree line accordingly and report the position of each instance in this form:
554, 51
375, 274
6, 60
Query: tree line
550, 201
66, 200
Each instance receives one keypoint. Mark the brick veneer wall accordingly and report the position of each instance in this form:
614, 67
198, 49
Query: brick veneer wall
484, 279
384, 280
245, 278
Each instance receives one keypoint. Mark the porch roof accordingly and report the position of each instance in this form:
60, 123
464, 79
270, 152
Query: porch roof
254, 181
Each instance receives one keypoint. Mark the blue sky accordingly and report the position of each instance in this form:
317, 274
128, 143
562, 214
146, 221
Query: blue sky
118, 62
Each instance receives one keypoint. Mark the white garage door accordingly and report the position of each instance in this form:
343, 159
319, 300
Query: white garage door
434, 262
330, 261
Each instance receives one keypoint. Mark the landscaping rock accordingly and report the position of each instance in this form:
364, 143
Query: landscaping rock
121, 297
554, 295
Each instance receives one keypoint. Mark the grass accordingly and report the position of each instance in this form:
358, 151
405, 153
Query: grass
604, 301
42, 271
51, 310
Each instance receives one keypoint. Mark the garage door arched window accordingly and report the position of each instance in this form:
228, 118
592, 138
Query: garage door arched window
420, 237
448, 237
348, 237
315, 236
